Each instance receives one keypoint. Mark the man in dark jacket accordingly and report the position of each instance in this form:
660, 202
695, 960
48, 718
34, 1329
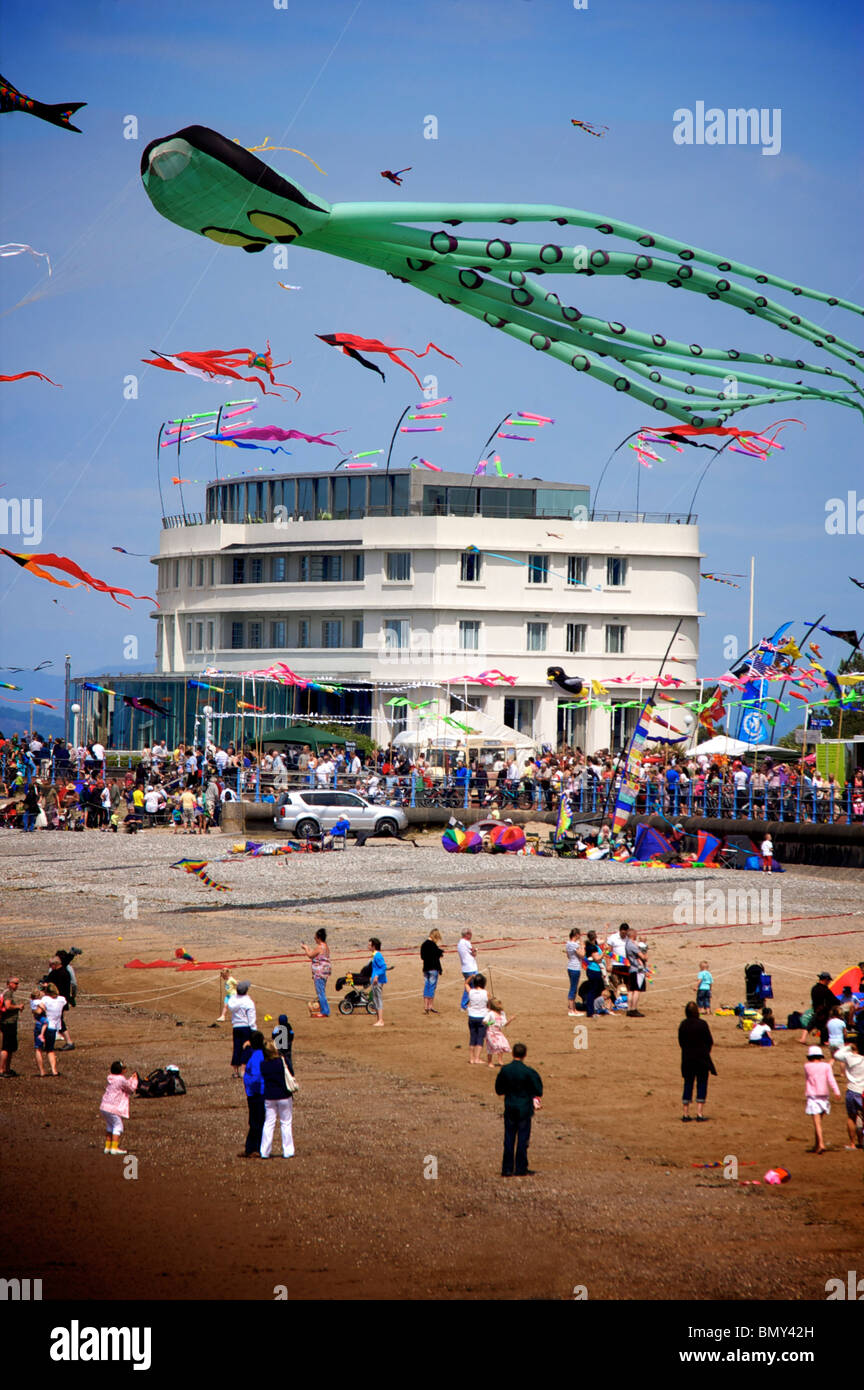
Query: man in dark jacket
823, 1001
521, 1088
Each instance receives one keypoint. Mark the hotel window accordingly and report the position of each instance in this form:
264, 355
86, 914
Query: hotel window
255, 570
576, 637
190, 573
236, 634
189, 637
200, 580
359, 566
199, 637
176, 584
277, 634
397, 633
616, 572
469, 635
212, 571
303, 634
615, 638
398, 566
279, 570
357, 632
577, 569
320, 569
331, 632
210, 642
469, 566
238, 570
538, 569
537, 637
519, 715
256, 634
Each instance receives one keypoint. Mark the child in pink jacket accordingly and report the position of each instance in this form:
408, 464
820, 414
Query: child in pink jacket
114, 1105
818, 1078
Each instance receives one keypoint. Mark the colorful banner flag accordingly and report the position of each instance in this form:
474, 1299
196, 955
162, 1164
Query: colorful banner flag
630, 776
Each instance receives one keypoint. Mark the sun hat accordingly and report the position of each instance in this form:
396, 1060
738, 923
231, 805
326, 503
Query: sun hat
814, 1052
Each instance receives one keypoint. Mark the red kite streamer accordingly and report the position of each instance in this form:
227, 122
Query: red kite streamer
221, 365
34, 564
19, 376
352, 346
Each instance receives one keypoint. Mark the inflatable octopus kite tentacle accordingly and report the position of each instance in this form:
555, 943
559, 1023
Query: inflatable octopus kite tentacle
202, 181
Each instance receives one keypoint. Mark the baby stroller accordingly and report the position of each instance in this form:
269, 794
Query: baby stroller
359, 991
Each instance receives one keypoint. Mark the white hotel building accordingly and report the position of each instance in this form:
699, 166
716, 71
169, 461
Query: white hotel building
369, 579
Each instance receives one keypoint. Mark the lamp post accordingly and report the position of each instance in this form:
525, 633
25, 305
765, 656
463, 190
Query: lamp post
75, 710
208, 726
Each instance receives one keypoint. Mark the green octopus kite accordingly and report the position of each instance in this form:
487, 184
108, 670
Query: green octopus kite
202, 181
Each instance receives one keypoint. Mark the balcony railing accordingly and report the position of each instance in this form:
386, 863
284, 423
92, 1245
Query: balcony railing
232, 518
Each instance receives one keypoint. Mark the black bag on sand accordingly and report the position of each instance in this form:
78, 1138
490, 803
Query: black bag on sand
164, 1081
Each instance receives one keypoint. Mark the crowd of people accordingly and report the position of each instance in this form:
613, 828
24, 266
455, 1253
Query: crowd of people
46, 784
616, 971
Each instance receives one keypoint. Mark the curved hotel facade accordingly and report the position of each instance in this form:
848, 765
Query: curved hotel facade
374, 581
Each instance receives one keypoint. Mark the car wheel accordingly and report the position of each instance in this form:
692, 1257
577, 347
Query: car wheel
387, 826
306, 828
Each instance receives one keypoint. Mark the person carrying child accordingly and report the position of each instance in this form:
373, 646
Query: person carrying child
39, 1017
497, 1045
229, 986
114, 1105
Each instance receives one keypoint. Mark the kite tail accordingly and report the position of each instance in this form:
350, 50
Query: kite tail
19, 376
59, 113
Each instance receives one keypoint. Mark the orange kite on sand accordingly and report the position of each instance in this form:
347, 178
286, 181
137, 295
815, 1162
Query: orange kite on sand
34, 564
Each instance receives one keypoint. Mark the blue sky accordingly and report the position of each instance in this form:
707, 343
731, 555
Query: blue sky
350, 84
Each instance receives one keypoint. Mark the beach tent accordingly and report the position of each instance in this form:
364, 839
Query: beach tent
747, 855
707, 847
486, 733
853, 977
736, 748
649, 842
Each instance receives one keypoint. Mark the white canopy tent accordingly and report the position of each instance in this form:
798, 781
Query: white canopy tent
733, 748
486, 733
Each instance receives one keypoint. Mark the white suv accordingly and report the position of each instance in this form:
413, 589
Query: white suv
306, 813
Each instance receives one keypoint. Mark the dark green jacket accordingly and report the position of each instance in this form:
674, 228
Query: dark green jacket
518, 1085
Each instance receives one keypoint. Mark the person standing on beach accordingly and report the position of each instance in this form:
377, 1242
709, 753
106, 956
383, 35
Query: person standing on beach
853, 1064
378, 980
468, 963
243, 1021
319, 958
522, 1089
593, 972
575, 955
695, 1042
430, 955
478, 1007
254, 1087
53, 1004
9, 1012
278, 1103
